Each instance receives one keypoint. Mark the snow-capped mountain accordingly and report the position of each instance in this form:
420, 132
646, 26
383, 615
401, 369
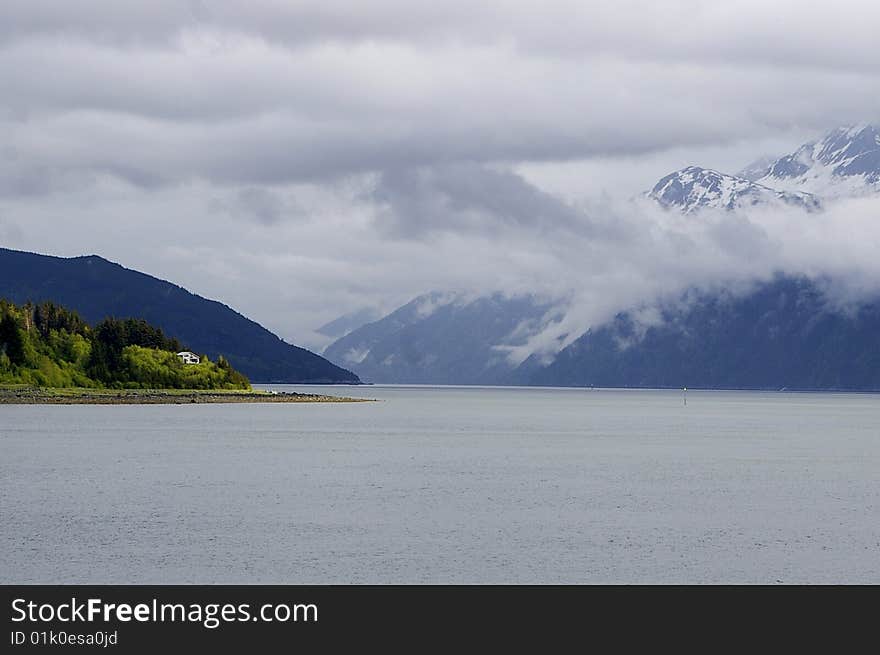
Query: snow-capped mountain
694, 188
844, 162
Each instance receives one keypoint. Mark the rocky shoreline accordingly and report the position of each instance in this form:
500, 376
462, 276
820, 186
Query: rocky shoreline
45, 396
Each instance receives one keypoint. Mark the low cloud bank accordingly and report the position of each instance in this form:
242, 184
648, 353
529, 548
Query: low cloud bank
604, 257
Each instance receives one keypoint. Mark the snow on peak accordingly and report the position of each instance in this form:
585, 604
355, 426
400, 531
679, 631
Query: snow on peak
844, 162
694, 188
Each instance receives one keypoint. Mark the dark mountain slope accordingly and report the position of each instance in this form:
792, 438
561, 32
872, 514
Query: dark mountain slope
785, 334
441, 339
97, 288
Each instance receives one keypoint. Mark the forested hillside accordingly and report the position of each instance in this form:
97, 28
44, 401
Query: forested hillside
49, 345
97, 288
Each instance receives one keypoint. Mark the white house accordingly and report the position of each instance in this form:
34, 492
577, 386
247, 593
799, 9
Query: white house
188, 358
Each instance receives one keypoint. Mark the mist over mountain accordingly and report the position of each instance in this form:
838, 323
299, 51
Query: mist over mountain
787, 333
346, 323
757, 169
758, 312
442, 338
97, 288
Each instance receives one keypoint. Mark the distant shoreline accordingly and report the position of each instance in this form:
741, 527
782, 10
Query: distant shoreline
77, 396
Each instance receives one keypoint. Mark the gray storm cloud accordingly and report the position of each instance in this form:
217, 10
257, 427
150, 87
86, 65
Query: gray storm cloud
271, 92
740, 31
469, 198
302, 160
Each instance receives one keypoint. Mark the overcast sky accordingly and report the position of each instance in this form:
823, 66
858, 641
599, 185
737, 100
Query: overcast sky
300, 160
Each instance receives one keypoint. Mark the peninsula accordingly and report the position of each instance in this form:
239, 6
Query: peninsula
19, 395
50, 355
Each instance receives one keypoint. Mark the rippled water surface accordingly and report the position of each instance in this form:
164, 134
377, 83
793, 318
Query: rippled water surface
446, 485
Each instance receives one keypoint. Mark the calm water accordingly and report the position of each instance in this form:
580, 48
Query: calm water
447, 485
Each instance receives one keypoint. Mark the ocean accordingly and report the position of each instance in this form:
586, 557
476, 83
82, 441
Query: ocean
447, 485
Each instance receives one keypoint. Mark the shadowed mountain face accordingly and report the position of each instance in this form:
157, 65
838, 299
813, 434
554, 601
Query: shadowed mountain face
784, 334
97, 288
441, 339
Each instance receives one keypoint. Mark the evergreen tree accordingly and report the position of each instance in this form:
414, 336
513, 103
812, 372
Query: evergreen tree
11, 341
49, 345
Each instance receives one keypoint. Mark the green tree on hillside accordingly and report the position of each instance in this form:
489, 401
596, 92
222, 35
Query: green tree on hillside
11, 341
49, 345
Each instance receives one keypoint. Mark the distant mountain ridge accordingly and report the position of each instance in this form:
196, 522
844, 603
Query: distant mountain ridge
783, 334
844, 162
441, 338
97, 288
346, 323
